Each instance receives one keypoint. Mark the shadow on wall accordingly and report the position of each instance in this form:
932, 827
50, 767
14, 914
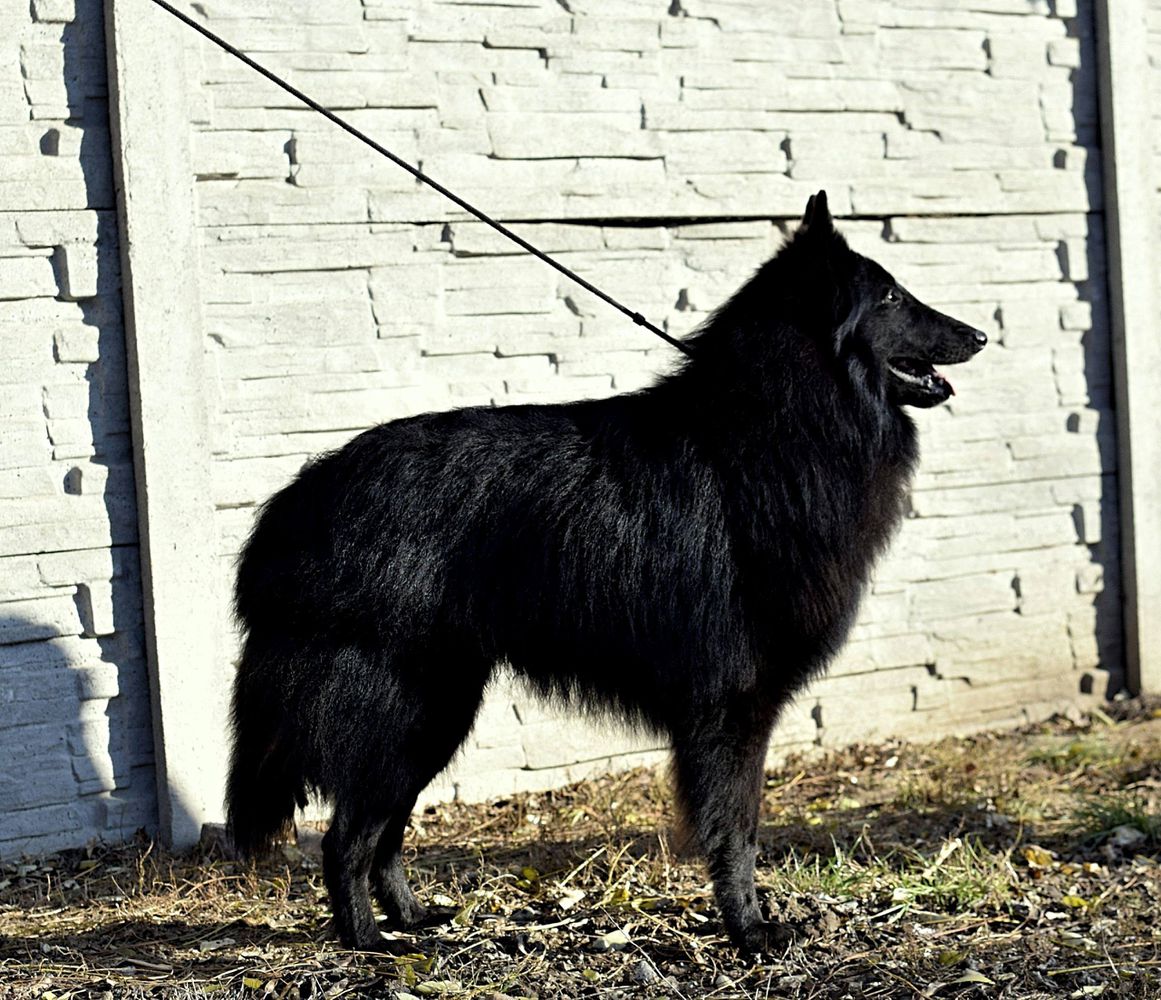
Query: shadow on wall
1096, 516
76, 736
70, 775
115, 617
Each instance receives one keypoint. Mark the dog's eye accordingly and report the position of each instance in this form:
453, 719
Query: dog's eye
891, 296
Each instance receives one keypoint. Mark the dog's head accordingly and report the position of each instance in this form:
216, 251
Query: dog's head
879, 322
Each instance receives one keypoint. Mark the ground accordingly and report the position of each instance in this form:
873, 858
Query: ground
1014, 865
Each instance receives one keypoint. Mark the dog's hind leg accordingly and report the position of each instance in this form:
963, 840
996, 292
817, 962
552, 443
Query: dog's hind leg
388, 877
348, 852
394, 719
432, 737
718, 762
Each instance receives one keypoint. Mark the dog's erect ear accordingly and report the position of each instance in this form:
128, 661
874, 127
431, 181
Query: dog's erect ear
816, 218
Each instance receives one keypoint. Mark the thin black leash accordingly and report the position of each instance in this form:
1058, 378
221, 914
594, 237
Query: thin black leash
346, 126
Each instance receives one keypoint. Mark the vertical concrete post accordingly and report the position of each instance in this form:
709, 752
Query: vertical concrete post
163, 331
1131, 222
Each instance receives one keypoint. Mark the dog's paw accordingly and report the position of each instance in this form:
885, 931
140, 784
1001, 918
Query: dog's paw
420, 916
404, 910
768, 937
362, 938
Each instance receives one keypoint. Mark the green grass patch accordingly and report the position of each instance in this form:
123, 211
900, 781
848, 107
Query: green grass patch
1069, 753
962, 875
1102, 819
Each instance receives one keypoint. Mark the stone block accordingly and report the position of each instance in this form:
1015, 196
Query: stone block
94, 773
45, 617
878, 700
85, 530
1090, 579
19, 578
706, 152
71, 438
602, 183
76, 346
914, 48
87, 478
550, 33
621, 35
1090, 517
95, 605
558, 99
797, 728
1064, 52
498, 301
884, 653
1076, 316
54, 11
362, 172
122, 814
546, 136
1030, 322
28, 276
1048, 191
63, 401
30, 832
564, 742
1073, 255
964, 597
96, 681
1017, 55
28, 482
226, 202
618, 363
233, 153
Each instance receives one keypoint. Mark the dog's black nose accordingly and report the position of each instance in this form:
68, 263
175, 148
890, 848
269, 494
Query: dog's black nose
980, 338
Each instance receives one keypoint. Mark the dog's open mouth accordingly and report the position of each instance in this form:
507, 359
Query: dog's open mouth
920, 378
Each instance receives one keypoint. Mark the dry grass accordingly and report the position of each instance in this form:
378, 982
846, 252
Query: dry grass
1017, 865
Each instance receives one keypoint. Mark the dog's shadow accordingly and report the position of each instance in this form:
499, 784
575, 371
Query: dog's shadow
141, 949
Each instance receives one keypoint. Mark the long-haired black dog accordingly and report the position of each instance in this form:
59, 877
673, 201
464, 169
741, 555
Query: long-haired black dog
685, 557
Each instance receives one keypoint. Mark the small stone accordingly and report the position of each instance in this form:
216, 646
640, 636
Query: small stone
644, 972
1126, 836
616, 940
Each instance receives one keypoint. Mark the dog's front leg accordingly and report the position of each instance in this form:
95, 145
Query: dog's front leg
718, 759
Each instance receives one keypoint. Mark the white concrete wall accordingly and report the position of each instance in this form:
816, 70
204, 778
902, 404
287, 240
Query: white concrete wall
661, 149
76, 753
1155, 103
1155, 93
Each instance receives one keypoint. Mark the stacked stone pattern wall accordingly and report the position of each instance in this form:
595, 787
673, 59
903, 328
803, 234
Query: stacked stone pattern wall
663, 151
76, 751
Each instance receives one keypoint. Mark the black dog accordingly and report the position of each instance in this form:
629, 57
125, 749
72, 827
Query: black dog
685, 557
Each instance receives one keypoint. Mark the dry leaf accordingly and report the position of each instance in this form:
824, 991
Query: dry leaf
1038, 857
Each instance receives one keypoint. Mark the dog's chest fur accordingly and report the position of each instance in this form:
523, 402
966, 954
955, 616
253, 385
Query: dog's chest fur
806, 551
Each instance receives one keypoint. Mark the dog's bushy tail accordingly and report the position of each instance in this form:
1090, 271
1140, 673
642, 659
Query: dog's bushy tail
265, 782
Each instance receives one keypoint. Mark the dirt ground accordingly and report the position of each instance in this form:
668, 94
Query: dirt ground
1014, 865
